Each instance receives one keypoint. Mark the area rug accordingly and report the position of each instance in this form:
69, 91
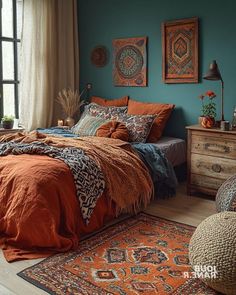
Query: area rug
139, 255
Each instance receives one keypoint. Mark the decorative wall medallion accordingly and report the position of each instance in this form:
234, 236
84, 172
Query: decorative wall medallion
180, 51
130, 62
99, 56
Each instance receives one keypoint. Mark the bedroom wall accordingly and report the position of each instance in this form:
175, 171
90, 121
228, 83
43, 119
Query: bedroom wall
101, 21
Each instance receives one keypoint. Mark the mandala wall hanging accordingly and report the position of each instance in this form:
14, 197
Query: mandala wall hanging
180, 51
130, 62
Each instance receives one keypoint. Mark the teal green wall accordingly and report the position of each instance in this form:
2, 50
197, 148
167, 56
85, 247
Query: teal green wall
101, 21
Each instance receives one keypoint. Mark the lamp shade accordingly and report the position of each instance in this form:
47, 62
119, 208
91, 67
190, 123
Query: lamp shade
213, 72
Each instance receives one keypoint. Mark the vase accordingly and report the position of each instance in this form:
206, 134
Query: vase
200, 118
69, 121
208, 122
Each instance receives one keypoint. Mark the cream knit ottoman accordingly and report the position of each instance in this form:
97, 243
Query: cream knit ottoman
213, 248
226, 195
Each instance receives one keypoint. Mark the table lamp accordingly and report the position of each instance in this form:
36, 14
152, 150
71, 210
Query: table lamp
213, 74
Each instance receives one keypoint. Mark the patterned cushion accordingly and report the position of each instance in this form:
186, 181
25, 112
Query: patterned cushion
113, 129
162, 110
109, 113
226, 195
88, 125
138, 126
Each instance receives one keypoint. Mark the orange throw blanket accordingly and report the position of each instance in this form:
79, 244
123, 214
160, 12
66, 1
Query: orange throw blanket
39, 212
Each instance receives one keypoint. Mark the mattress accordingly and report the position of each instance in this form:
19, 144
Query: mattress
174, 149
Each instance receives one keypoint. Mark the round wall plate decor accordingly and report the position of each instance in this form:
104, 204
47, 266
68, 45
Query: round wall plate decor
99, 56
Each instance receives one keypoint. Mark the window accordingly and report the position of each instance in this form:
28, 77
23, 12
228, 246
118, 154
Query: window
10, 33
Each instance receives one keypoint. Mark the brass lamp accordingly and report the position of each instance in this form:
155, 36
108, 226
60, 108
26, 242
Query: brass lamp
213, 74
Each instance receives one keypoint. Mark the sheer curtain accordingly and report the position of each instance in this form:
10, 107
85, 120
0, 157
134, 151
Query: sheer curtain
49, 58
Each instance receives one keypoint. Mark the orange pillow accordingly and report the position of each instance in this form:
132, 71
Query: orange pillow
119, 102
113, 129
162, 110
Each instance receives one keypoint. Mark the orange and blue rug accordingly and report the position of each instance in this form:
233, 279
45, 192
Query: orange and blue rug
143, 254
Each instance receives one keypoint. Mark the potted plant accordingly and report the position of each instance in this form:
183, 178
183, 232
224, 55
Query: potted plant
207, 119
7, 122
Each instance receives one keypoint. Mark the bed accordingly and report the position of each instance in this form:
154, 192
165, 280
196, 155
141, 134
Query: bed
48, 202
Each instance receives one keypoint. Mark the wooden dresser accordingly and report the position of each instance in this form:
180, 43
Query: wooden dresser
211, 158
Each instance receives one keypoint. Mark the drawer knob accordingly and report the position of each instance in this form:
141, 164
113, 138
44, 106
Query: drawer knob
216, 168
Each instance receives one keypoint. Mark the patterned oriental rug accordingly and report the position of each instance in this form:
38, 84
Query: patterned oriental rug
139, 255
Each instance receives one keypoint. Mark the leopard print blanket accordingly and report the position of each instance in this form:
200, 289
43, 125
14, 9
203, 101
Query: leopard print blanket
88, 177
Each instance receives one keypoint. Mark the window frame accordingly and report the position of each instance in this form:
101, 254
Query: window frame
14, 40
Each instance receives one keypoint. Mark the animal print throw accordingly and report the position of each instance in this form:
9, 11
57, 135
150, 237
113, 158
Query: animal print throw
88, 177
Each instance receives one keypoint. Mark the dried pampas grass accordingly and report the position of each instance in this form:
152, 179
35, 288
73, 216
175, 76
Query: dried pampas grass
70, 101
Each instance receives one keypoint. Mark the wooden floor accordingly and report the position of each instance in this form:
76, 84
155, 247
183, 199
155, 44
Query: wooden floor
182, 208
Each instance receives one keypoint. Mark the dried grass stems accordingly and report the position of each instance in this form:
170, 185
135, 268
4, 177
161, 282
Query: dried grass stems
70, 101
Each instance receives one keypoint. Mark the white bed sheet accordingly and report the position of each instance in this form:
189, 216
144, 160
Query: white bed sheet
173, 148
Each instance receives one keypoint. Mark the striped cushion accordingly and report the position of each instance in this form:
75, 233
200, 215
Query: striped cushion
88, 125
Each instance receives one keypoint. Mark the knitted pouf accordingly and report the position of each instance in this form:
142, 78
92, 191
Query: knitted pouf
226, 195
213, 244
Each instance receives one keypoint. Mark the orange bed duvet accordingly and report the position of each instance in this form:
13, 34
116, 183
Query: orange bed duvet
39, 210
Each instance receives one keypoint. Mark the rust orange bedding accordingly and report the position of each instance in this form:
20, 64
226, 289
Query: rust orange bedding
39, 211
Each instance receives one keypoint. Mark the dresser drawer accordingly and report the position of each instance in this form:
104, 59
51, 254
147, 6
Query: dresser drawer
211, 158
213, 146
206, 181
212, 166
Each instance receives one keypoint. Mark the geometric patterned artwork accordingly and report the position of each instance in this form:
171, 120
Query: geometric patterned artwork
180, 51
140, 255
130, 62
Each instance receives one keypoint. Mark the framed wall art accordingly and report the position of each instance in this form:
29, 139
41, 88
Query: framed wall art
130, 62
180, 51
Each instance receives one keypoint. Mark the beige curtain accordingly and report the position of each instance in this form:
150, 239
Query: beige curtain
49, 59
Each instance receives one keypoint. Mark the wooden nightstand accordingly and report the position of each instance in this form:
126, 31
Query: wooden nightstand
211, 158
